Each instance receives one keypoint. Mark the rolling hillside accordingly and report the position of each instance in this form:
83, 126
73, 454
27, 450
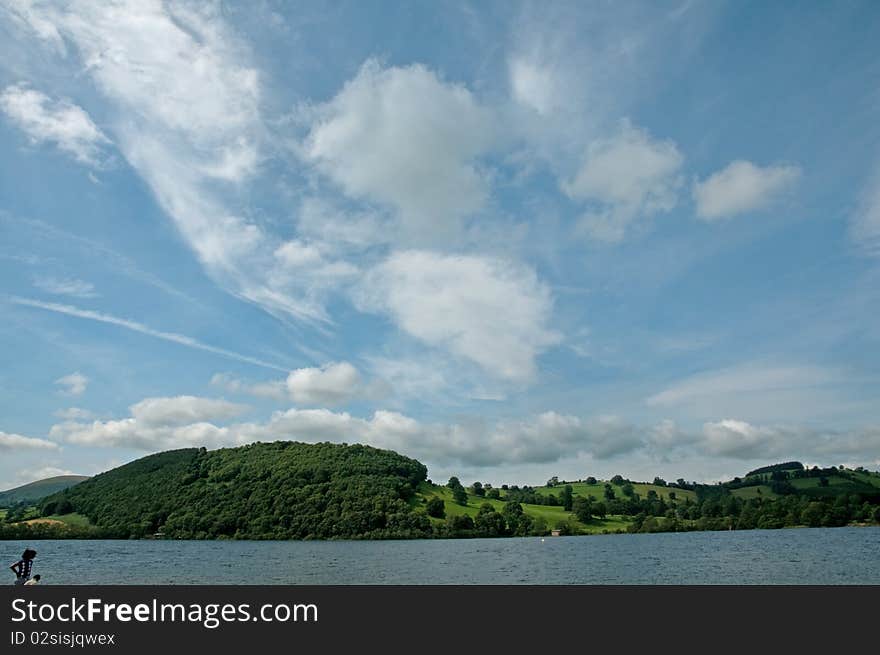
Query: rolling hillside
34, 491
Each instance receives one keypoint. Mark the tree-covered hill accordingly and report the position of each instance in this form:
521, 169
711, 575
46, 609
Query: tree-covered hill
288, 490
34, 491
279, 490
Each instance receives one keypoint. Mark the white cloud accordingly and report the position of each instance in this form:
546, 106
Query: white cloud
59, 122
625, 177
14, 442
535, 86
335, 383
75, 383
339, 229
743, 440
731, 438
184, 409
128, 433
181, 339
42, 473
331, 384
741, 187
865, 222
66, 287
274, 389
752, 377
74, 414
487, 310
405, 138
184, 110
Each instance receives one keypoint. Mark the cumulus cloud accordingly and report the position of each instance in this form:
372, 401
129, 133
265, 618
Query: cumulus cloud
331, 384
179, 410
14, 442
741, 187
546, 437
74, 384
59, 122
334, 383
129, 433
403, 137
487, 310
74, 414
743, 440
625, 177
66, 287
274, 389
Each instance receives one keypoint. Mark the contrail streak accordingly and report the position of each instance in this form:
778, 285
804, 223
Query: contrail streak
181, 339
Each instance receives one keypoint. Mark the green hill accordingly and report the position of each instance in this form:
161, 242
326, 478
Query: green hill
279, 490
290, 490
34, 491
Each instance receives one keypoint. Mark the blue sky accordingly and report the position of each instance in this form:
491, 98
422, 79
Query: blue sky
510, 240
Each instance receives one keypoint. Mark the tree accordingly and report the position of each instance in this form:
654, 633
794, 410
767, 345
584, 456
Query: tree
823, 481
590, 480
494, 494
617, 479
583, 509
660, 482
489, 523
478, 489
566, 498
672, 495
628, 490
436, 508
552, 482
459, 495
599, 510
453, 482
609, 492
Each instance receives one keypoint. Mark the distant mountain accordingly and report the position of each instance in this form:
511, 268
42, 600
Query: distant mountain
34, 491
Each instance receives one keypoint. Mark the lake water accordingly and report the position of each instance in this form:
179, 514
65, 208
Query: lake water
800, 556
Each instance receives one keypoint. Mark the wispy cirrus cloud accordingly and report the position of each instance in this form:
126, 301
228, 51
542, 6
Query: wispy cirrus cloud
66, 287
59, 122
135, 326
74, 384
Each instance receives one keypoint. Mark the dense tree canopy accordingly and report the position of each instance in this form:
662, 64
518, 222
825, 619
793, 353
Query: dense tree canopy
279, 490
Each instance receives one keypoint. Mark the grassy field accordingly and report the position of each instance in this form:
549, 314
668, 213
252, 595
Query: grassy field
752, 492
809, 483
598, 490
868, 478
553, 515
73, 520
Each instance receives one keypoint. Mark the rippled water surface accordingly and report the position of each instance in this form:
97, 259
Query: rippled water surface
800, 556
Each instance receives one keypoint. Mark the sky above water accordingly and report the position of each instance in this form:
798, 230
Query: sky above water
511, 240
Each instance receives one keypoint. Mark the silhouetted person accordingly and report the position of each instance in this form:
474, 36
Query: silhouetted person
22, 568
